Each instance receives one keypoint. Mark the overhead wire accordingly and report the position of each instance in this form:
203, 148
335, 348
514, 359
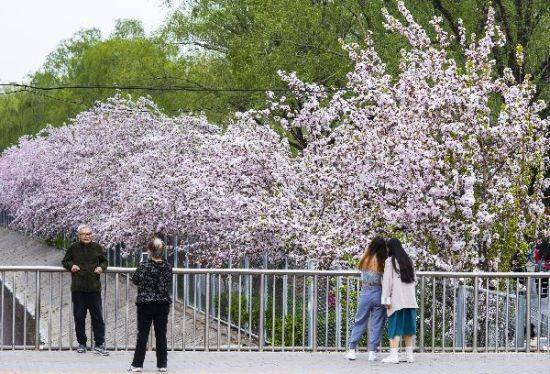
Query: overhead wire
169, 88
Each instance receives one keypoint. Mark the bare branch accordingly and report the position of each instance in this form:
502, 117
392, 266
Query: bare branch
505, 21
447, 14
207, 46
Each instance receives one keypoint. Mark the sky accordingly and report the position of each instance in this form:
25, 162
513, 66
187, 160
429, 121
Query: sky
31, 29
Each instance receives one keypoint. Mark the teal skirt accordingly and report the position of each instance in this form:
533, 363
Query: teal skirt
402, 322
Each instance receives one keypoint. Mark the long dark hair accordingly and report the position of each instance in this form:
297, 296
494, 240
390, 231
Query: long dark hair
397, 253
544, 249
376, 249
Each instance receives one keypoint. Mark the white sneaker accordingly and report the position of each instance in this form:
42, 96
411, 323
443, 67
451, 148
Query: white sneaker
393, 357
351, 354
163, 370
409, 357
134, 369
373, 356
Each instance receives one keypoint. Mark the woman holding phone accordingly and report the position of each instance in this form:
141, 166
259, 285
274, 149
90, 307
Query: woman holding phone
154, 280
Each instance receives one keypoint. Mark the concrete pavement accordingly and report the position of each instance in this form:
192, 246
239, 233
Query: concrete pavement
45, 362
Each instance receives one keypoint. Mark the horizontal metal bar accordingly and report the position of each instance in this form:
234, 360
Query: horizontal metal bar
235, 347
434, 274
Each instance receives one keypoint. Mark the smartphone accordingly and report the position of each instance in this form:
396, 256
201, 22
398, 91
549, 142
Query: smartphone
144, 256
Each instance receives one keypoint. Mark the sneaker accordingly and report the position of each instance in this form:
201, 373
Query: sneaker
134, 369
373, 356
81, 348
163, 370
100, 350
409, 356
393, 357
351, 354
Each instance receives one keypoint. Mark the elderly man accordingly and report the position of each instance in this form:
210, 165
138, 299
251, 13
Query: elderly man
86, 260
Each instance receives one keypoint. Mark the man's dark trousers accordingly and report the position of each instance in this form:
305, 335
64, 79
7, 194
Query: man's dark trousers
82, 302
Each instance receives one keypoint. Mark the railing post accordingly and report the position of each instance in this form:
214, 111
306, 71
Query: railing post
285, 291
476, 299
422, 310
116, 311
207, 314
37, 313
262, 314
186, 287
2, 311
338, 308
458, 336
247, 282
528, 316
198, 288
175, 254
266, 294
314, 307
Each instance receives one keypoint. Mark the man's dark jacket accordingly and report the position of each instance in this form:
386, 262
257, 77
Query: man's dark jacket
87, 257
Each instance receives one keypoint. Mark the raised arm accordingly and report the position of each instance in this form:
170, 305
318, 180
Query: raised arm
137, 277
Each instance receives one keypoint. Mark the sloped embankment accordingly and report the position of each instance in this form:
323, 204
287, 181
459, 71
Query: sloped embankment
56, 325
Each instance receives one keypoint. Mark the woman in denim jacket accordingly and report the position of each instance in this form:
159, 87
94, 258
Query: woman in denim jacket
369, 303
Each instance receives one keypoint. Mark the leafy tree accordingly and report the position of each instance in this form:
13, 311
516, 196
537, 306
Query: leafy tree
255, 38
125, 58
243, 43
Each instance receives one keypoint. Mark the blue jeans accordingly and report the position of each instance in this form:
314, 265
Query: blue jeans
369, 307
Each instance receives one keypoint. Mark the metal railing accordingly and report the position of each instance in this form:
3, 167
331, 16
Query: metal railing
281, 310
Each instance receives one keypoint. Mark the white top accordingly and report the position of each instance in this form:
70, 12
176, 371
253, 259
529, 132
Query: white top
396, 294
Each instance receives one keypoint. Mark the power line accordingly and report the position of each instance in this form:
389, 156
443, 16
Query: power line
36, 92
56, 98
167, 88
176, 88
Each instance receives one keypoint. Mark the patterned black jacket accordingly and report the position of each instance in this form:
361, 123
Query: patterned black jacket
154, 280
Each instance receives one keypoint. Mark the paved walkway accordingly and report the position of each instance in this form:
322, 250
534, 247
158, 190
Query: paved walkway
269, 362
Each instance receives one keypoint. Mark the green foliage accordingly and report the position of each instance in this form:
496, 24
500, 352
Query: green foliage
125, 58
243, 43
294, 324
273, 326
59, 241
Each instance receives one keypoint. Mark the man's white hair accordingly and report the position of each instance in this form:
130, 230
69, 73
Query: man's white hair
82, 227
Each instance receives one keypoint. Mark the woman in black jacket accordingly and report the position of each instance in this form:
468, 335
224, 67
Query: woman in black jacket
154, 279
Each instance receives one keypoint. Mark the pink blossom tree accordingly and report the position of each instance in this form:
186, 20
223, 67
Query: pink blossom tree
442, 155
131, 172
447, 156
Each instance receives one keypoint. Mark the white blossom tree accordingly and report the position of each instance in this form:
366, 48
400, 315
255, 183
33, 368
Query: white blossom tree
448, 157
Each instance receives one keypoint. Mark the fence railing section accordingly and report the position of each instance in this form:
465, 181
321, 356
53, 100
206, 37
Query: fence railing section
281, 310
5, 218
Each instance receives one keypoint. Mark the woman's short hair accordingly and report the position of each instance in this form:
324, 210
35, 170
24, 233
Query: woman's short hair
156, 248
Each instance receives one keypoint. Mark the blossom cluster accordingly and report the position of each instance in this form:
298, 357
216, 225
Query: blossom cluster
130, 172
